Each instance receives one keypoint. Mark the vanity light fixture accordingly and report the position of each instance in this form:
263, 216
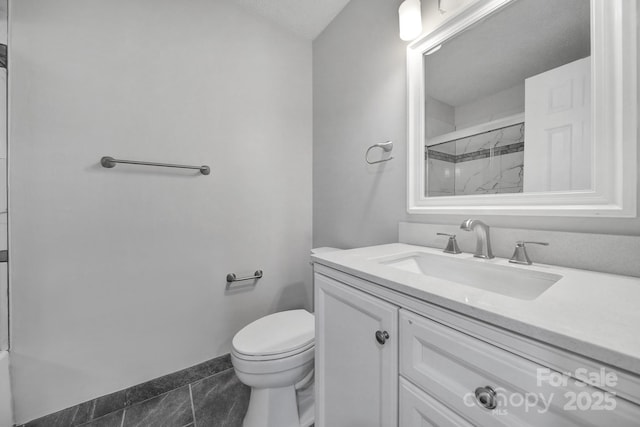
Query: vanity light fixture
410, 15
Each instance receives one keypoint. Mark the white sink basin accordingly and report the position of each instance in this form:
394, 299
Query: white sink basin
510, 281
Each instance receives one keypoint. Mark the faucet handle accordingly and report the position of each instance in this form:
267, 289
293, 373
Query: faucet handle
522, 243
520, 255
452, 244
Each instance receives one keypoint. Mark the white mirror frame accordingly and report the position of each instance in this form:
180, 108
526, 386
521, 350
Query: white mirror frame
614, 123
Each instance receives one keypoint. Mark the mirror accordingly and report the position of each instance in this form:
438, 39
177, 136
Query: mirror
502, 111
510, 65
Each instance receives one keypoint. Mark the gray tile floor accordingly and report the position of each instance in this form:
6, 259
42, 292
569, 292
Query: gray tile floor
217, 401
205, 395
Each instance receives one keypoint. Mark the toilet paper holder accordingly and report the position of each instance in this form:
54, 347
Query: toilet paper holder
231, 277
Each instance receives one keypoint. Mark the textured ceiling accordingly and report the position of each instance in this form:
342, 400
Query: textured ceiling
306, 18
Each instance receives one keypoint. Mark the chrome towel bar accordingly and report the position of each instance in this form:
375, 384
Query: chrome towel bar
110, 162
231, 277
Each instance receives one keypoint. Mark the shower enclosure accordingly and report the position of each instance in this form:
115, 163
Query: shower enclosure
6, 412
4, 292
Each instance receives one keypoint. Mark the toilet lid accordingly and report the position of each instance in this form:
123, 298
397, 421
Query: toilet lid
276, 333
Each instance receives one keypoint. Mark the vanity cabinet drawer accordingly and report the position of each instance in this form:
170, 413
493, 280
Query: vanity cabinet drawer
418, 409
457, 367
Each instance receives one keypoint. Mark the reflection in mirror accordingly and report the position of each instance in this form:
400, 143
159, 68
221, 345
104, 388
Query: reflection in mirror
528, 63
485, 163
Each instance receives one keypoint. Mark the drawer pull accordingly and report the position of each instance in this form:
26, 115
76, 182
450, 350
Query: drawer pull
382, 336
486, 397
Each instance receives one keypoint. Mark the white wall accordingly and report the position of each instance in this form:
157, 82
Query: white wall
359, 96
3, 21
440, 118
358, 100
118, 275
501, 104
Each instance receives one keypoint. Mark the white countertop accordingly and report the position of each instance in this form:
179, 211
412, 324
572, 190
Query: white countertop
593, 314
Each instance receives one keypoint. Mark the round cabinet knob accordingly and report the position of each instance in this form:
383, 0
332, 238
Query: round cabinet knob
486, 397
382, 336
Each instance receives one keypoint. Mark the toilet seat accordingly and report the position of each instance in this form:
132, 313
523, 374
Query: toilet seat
258, 358
254, 366
275, 336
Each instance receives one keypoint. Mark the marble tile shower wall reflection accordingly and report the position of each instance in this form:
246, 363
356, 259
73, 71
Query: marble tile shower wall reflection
487, 163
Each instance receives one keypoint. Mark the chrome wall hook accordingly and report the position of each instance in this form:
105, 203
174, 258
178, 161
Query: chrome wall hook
386, 147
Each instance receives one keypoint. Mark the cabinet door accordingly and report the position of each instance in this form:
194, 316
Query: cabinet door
356, 376
418, 409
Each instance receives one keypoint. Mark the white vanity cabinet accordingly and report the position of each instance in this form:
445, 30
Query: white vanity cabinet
452, 365
356, 357
439, 368
418, 409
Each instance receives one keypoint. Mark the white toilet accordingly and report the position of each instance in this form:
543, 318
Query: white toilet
274, 356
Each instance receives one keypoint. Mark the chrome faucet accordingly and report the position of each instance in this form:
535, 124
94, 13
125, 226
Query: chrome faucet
483, 245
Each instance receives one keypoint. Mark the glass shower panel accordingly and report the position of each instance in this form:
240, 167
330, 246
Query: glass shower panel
486, 163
